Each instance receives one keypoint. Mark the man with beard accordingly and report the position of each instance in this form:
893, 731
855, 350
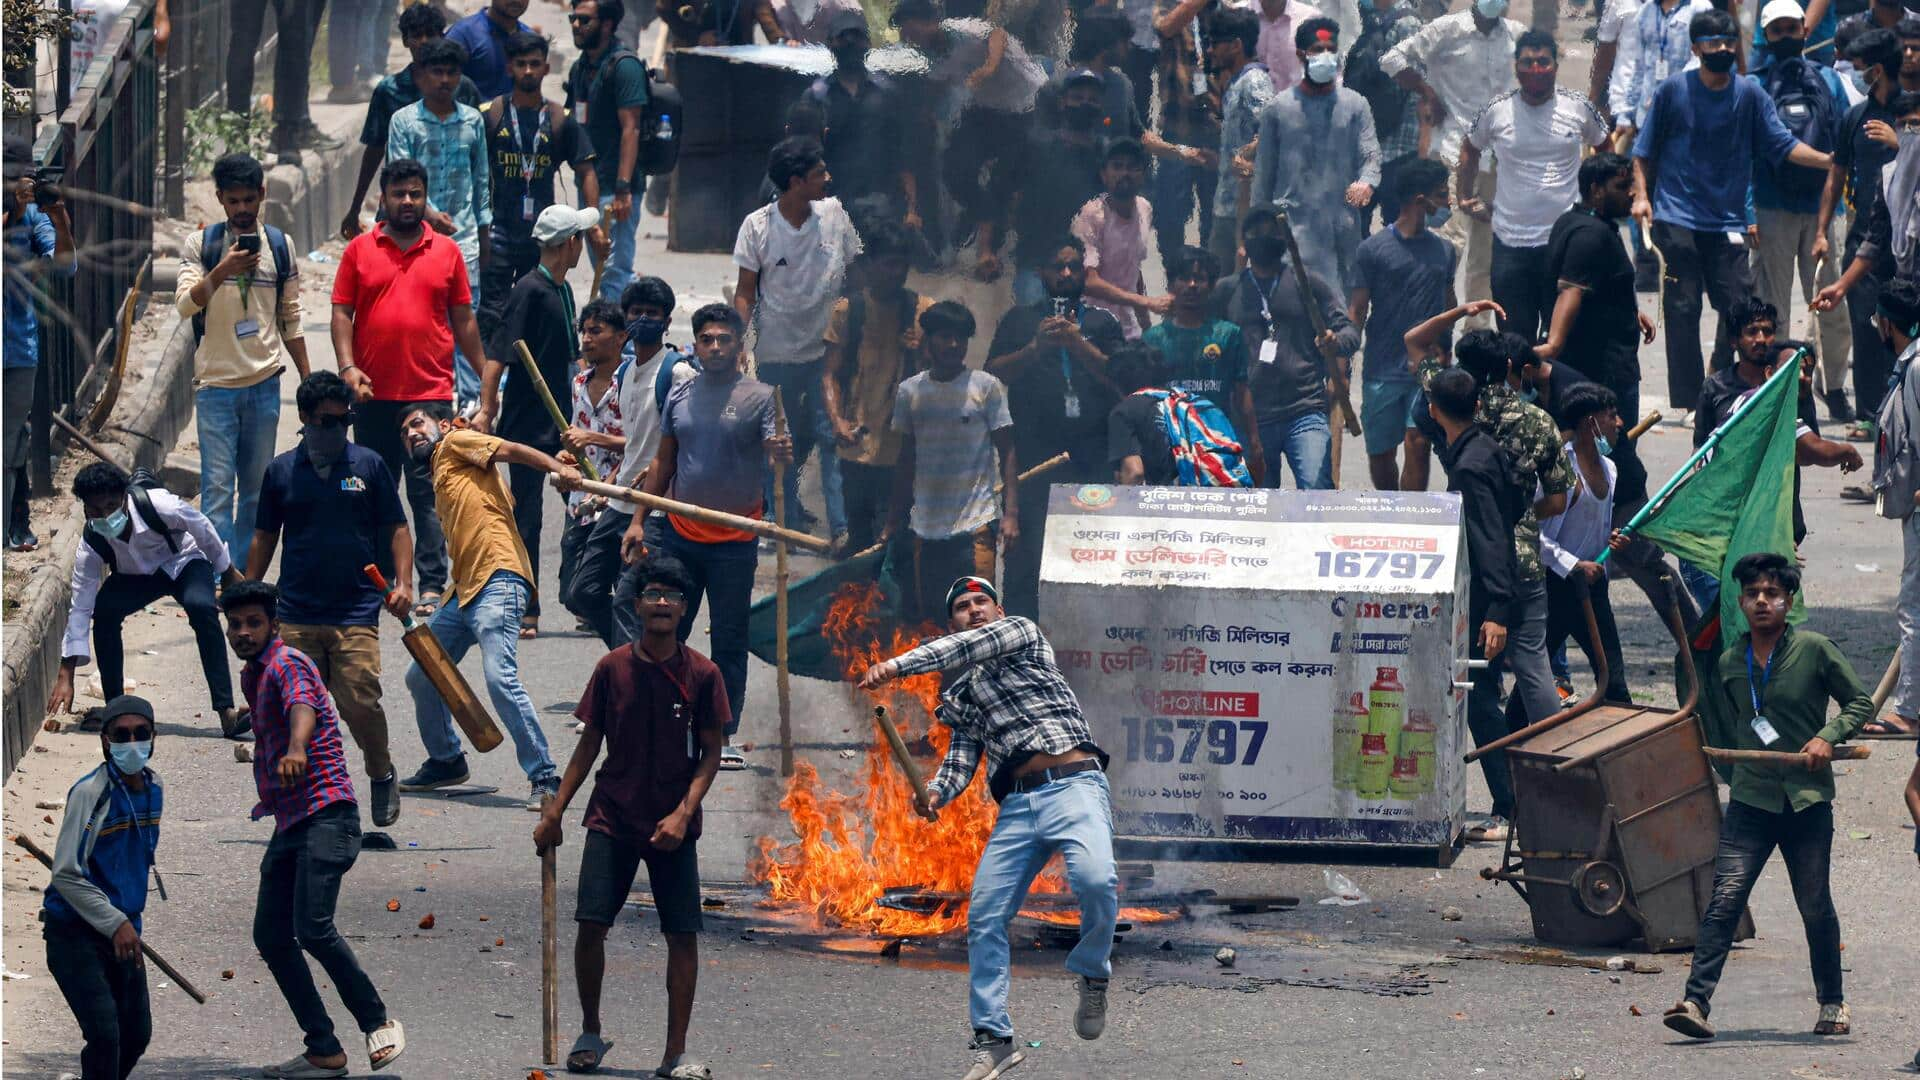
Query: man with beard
1006, 698
865, 142
338, 509
492, 583
1053, 357
1115, 226
1063, 174
400, 300
607, 93
527, 139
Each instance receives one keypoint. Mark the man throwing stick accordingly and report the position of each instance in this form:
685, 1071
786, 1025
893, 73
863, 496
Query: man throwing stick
1009, 699
661, 709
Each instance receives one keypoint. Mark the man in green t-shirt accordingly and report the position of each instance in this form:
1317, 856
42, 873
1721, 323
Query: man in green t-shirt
1205, 356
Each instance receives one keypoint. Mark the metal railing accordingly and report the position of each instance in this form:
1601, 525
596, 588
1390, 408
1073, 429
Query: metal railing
196, 77
105, 149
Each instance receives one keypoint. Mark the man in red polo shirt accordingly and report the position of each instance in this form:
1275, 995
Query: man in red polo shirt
400, 301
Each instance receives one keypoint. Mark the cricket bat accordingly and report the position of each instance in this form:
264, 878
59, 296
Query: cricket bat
444, 674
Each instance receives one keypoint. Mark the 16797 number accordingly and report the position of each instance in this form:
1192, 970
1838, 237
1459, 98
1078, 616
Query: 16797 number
1161, 739
1373, 564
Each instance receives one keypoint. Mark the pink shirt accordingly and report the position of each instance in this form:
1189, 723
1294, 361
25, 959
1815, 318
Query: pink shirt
1276, 43
1116, 247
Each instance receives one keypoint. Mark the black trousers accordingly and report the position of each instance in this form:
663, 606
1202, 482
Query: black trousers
1567, 619
867, 491
108, 998
1872, 361
979, 141
597, 569
123, 594
528, 486
376, 426
1523, 288
298, 21
1748, 836
1697, 261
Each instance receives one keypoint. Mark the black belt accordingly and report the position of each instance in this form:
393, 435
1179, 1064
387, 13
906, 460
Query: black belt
1047, 776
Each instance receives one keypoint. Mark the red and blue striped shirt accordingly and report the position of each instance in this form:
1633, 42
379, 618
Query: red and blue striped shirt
274, 682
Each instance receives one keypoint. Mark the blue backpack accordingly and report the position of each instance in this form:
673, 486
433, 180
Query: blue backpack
1206, 452
213, 247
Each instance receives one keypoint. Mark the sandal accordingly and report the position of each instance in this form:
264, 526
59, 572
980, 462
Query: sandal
1856, 493
299, 1068
1886, 729
389, 1039
684, 1068
587, 1053
1861, 431
428, 603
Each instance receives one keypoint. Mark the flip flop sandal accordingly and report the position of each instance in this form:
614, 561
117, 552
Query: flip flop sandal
299, 1068
1856, 493
424, 607
1886, 729
591, 1046
388, 1036
684, 1068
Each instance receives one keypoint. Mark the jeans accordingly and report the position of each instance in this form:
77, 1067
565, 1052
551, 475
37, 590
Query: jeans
619, 272
1306, 441
1872, 360
1785, 244
1703, 585
1566, 618
1174, 189
349, 661
237, 428
299, 886
357, 40
376, 426
1524, 287
492, 621
466, 377
108, 999
528, 486
1073, 816
1488, 722
1695, 261
723, 577
626, 620
597, 569
799, 386
1748, 836
1525, 655
1906, 692
123, 594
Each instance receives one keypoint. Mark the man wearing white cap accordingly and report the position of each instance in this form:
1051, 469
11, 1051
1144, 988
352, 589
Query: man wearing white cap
540, 312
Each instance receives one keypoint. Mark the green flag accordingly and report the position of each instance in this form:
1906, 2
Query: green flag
810, 647
1735, 496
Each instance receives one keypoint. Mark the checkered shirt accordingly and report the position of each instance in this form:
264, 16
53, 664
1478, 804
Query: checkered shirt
274, 682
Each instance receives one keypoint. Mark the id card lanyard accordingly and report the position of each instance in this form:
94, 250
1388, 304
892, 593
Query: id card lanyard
1756, 689
528, 155
1070, 404
1270, 348
679, 705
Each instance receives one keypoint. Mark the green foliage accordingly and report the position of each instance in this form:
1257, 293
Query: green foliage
23, 25
213, 132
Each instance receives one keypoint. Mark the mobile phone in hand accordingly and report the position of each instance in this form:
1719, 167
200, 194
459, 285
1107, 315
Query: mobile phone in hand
249, 244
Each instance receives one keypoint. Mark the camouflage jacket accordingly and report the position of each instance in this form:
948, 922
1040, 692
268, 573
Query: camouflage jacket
1532, 442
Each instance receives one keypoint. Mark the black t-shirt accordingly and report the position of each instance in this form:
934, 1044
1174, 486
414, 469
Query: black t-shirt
1038, 396
1565, 377
539, 312
329, 528
594, 101
865, 141
549, 136
1059, 178
1586, 250
1862, 158
1133, 427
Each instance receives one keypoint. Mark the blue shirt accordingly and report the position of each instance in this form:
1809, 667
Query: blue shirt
459, 176
30, 236
330, 528
486, 46
1407, 283
122, 848
1767, 192
1702, 145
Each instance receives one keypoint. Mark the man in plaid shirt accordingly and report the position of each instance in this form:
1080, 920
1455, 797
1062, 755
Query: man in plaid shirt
1010, 701
300, 769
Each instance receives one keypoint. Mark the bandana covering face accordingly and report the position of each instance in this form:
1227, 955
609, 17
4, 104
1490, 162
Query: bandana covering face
967, 585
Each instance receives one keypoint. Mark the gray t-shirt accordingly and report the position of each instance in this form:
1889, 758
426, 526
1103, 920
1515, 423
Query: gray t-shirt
719, 422
1014, 84
952, 425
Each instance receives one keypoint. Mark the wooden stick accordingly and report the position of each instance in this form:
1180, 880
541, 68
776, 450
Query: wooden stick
1046, 466
1782, 758
899, 747
549, 963
755, 526
553, 407
122, 345
1885, 690
159, 961
1339, 437
1646, 422
783, 689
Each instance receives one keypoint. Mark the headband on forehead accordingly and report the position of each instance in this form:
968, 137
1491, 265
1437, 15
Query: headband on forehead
966, 585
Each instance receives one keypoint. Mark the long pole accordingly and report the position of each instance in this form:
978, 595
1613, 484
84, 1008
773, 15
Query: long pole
757, 527
549, 962
539, 382
783, 689
1686, 472
159, 961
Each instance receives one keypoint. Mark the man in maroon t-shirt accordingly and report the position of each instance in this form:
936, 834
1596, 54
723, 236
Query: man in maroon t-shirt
660, 707
400, 302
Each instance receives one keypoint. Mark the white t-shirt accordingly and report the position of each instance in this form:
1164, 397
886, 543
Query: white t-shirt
801, 271
1613, 18
640, 417
952, 425
1538, 148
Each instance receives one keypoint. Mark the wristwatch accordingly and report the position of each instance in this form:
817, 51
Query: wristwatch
623, 187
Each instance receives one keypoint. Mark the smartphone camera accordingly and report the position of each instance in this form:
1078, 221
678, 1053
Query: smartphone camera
249, 244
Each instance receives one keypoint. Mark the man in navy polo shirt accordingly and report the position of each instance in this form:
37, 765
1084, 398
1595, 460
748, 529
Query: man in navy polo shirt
338, 509
484, 34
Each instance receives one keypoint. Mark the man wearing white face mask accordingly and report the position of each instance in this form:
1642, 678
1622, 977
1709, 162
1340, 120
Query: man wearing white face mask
91, 912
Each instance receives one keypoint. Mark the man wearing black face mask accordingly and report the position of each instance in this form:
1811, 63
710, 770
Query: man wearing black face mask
338, 509
864, 140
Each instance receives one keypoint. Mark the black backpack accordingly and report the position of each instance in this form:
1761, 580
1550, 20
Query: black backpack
138, 485
213, 246
659, 150
1363, 76
1807, 107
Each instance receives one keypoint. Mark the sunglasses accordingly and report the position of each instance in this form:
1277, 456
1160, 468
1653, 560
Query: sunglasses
662, 596
331, 422
582, 20
1535, 64
1908, 127
1064, 267
127, 735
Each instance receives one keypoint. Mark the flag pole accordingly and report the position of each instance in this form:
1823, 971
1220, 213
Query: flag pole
1687, 471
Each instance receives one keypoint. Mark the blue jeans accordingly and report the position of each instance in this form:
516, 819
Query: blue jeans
357, 39
1748, 836
236, 443
723, 576
492, 621
1307, 444
619, 272
1174, 189
799, 386
466, 380
1073, 816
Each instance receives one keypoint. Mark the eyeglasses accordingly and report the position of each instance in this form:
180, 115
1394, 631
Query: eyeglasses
662, 596
1535, 64
127, 735
582, 20
331, 422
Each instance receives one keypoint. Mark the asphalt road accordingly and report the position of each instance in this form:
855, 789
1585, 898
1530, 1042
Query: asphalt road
1383, 989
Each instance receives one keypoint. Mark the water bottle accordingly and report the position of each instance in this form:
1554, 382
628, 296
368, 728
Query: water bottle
664, 133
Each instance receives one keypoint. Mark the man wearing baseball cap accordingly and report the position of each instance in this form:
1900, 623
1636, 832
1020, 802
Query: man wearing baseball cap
539, 312
1008, 699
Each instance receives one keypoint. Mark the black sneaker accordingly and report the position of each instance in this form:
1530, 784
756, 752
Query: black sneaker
1090, 1018
22, 540
309, 137
437, 774
385, 801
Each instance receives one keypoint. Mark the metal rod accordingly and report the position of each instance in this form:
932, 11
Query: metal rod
783, 688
